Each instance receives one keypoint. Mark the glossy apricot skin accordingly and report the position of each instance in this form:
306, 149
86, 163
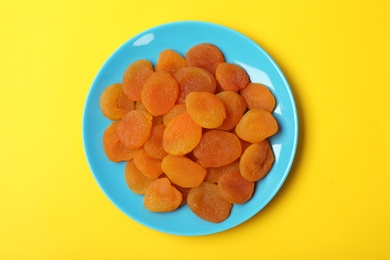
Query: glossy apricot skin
136, 180
194, 79
235, 107
206, 202
134, 128
256, 161
159, 93
181, 135
149, 166
161, 196
206, 56
114, 149
217, 148
114, 104
170, 61
258, 96
235, 188
154, 144
134, 78
256, 125
215, 173
205, 109
182, 171
177, 109
231, 77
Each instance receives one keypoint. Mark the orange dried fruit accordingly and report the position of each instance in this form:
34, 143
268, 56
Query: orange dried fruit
256, 161
176, 110
181, 135
170, 61
182, 171
256, 125
205, 109
114, 103
257, 95
215, 173
134, 78
161, 196
206, 202
206, 56
159, 93
136, 180
231, 77
149, 166
217, 148
194, 79
235, 188
114, 149
134, 128
235, 107
154, 145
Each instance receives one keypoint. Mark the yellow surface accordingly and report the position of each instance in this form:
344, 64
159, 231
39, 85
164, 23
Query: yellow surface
335, 202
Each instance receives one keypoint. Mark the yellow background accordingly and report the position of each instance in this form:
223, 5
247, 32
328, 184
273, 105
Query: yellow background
335, 202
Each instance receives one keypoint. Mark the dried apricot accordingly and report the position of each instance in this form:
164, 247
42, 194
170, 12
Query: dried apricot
256, 161
214, 173
136, 180
134, 128
206, 202
115, 150
231, 77
257, 95
181, 135
234, 188
217, 148
256, 125
159, 93
149, 166
194, 79
170, 61
161, 196
182, 171
114, 103
176, 110
234, 106
154, 145
205, 109
206, 56
134, 78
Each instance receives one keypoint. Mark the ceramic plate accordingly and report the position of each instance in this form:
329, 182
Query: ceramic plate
180, 36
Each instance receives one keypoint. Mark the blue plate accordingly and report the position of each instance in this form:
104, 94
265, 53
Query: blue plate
180, 36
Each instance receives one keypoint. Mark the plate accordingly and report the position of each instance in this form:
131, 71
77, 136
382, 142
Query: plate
180, 36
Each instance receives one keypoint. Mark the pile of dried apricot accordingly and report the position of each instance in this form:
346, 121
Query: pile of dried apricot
192, 130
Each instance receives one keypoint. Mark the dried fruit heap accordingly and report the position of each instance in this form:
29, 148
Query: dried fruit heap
193, 131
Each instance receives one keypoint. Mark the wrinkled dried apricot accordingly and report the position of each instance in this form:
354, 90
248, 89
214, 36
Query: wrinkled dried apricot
134, 78
257, 95
205, 109
235, 107
154, 145
214, 173
231, 76
159, 93
256, 125
182, 171
206, 56
176, 110
134, 128
256, 161
184, 193
114, 103
149, 166
136, 180
115, 150
181, 135
193, 79
170, 61
206, 202
161, 196
235, 188
217, 148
